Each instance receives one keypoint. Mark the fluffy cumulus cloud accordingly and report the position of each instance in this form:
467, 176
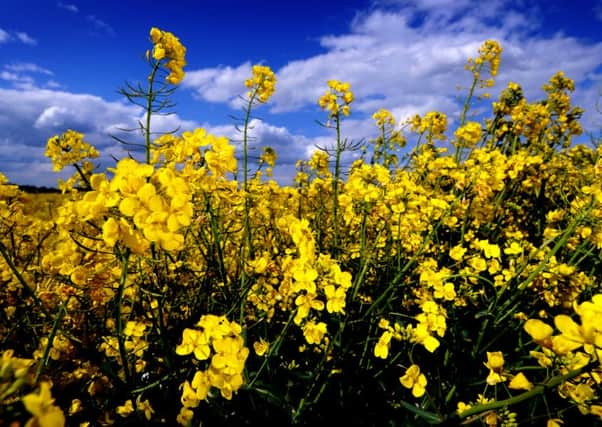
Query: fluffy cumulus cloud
221, 84
28, 117
408, 56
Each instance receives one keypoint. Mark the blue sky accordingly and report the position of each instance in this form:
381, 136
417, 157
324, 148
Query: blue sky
61, 64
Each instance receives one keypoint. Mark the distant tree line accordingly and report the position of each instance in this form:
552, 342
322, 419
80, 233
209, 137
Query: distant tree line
36, 190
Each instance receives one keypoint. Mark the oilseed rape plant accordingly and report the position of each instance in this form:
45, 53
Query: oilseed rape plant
416, 286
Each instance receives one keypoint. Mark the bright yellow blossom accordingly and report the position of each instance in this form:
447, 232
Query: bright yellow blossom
414, 380
262, 83
41, 407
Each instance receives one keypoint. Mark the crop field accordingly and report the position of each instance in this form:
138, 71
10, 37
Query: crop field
453, 280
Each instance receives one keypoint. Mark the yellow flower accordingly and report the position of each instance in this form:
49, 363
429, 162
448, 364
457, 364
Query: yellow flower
572, 335
461, 407
76, 406
337, 98
469, 134
335, 299
383, 117
495, 363
478, 264
415, 380
433, 122
189, 396
200, 382
314, 332
513, 249
134, 329
68, 149
261, 347
126, 409
495, 360
539, 331
262, 83
168, 49
146, 408
457, 252
194, 341
381, 349
185, 416
520, 382
40, 405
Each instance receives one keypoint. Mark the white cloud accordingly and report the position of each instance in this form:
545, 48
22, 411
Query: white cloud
99, 26
4, 36
29, 116
408, 56
70, 7
20, 36
26, 38
220, 84
17, 80
52, 84
20, 67
19, 75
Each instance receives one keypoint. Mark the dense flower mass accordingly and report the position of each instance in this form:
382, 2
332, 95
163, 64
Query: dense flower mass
262, 84
337, 98
168, 51
68, 149
412, 287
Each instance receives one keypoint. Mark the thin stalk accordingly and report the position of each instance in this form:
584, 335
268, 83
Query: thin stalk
335, 187
150, 98
22, 280
55, 328
120, 340
273, 349
535, 391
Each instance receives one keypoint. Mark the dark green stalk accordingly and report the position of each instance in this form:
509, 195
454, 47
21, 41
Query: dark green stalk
120, 340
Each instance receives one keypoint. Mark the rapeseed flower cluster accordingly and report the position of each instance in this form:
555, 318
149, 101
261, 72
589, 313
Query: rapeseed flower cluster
337, 98
433, 124
489, 55
262, 84
68, 149
220, 340
389, 141
168, 50
356, 288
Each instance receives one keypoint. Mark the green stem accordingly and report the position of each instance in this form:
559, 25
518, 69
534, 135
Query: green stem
150, 98
22, 280
247, 238
120, 340
273, 349
469, 97
335, 187
535, 391
83, 176
55, 328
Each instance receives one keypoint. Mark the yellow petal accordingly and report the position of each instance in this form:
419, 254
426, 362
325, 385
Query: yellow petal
520, 382
568, 327
431, 343
538, 330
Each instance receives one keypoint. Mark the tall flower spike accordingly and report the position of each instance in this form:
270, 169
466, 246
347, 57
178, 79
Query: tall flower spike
168, 48
262, 83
